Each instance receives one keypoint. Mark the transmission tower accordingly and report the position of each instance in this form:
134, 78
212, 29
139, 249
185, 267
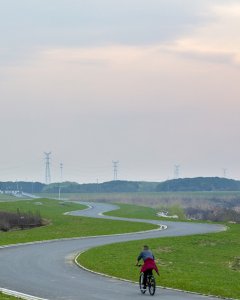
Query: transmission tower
47, 167
115, 170
176, 171
61, 172
61, 178
224, 173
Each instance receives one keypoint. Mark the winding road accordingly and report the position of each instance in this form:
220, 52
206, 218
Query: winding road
46, 270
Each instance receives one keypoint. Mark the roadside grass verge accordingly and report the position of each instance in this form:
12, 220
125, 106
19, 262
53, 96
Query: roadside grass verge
134, 211
143, 212
208, 264
8, 197
6, 297
63, 226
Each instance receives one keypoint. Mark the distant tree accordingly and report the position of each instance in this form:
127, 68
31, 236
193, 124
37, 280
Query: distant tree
199, 184
215, 214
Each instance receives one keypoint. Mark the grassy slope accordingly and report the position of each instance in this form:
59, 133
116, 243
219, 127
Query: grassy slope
148, 213
134, 211
62, 226
7, 197
207, 263
6, 297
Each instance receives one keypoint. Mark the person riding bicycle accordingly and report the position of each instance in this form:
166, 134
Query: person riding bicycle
149, 263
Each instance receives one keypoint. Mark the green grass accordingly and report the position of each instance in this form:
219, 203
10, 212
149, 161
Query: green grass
134, 211
7, 197
6, 297
143, 212
207, 263
62, 226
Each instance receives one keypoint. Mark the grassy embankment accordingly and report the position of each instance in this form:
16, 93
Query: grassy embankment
6, 297
62, 226
208, 263
8, 197
144, 212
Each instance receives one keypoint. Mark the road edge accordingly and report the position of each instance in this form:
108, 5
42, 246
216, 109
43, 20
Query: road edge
131, 281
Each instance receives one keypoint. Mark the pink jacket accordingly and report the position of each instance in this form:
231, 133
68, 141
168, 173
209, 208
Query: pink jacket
149, 264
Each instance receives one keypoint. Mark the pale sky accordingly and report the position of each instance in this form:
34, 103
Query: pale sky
150, 83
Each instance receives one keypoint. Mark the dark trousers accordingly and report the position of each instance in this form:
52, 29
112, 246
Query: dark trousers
146, 273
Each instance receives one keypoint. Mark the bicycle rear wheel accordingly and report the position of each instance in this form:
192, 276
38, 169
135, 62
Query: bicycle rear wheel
151, 285
143, 291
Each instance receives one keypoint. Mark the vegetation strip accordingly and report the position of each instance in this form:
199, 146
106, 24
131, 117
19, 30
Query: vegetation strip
63, 226
207, 264
19, 295
213, 256
77, 259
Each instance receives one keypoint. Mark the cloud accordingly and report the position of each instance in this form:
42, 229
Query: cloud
188, 49
31, 26
148, 83
215, 42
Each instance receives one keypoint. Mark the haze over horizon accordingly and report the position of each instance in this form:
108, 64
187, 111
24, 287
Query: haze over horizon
151, 84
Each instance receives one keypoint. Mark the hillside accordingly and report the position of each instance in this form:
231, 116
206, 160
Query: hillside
118, 186
121, 186
199, 184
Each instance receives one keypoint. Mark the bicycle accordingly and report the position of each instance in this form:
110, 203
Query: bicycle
150, 284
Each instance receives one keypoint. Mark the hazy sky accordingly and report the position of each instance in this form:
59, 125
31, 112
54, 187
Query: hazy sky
151, 83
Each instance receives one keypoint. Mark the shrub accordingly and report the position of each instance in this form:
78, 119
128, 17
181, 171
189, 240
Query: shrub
19, 220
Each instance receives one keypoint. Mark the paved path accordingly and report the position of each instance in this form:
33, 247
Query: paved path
46, 270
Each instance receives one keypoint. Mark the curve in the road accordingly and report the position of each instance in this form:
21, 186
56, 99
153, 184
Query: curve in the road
46, 270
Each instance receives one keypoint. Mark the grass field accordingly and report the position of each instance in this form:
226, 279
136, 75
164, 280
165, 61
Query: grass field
6, 297
144, 212
134, 211
62, 226
7, 197
185, 262
207, 263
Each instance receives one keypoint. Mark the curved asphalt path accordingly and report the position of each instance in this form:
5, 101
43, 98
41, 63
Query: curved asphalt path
46, 270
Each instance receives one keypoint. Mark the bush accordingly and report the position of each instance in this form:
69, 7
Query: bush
215, 214
19, 220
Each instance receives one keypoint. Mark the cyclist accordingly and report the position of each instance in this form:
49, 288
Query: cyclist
149, 263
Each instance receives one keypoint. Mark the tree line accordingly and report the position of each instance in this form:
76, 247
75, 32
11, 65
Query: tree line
123, 186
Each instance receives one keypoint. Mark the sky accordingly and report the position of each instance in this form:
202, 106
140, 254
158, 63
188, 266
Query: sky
149, 83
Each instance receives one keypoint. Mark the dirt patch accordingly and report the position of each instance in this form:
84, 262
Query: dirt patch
163, 250
235, 264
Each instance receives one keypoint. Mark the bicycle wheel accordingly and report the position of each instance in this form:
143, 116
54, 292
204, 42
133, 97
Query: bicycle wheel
143, 291
151, 285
